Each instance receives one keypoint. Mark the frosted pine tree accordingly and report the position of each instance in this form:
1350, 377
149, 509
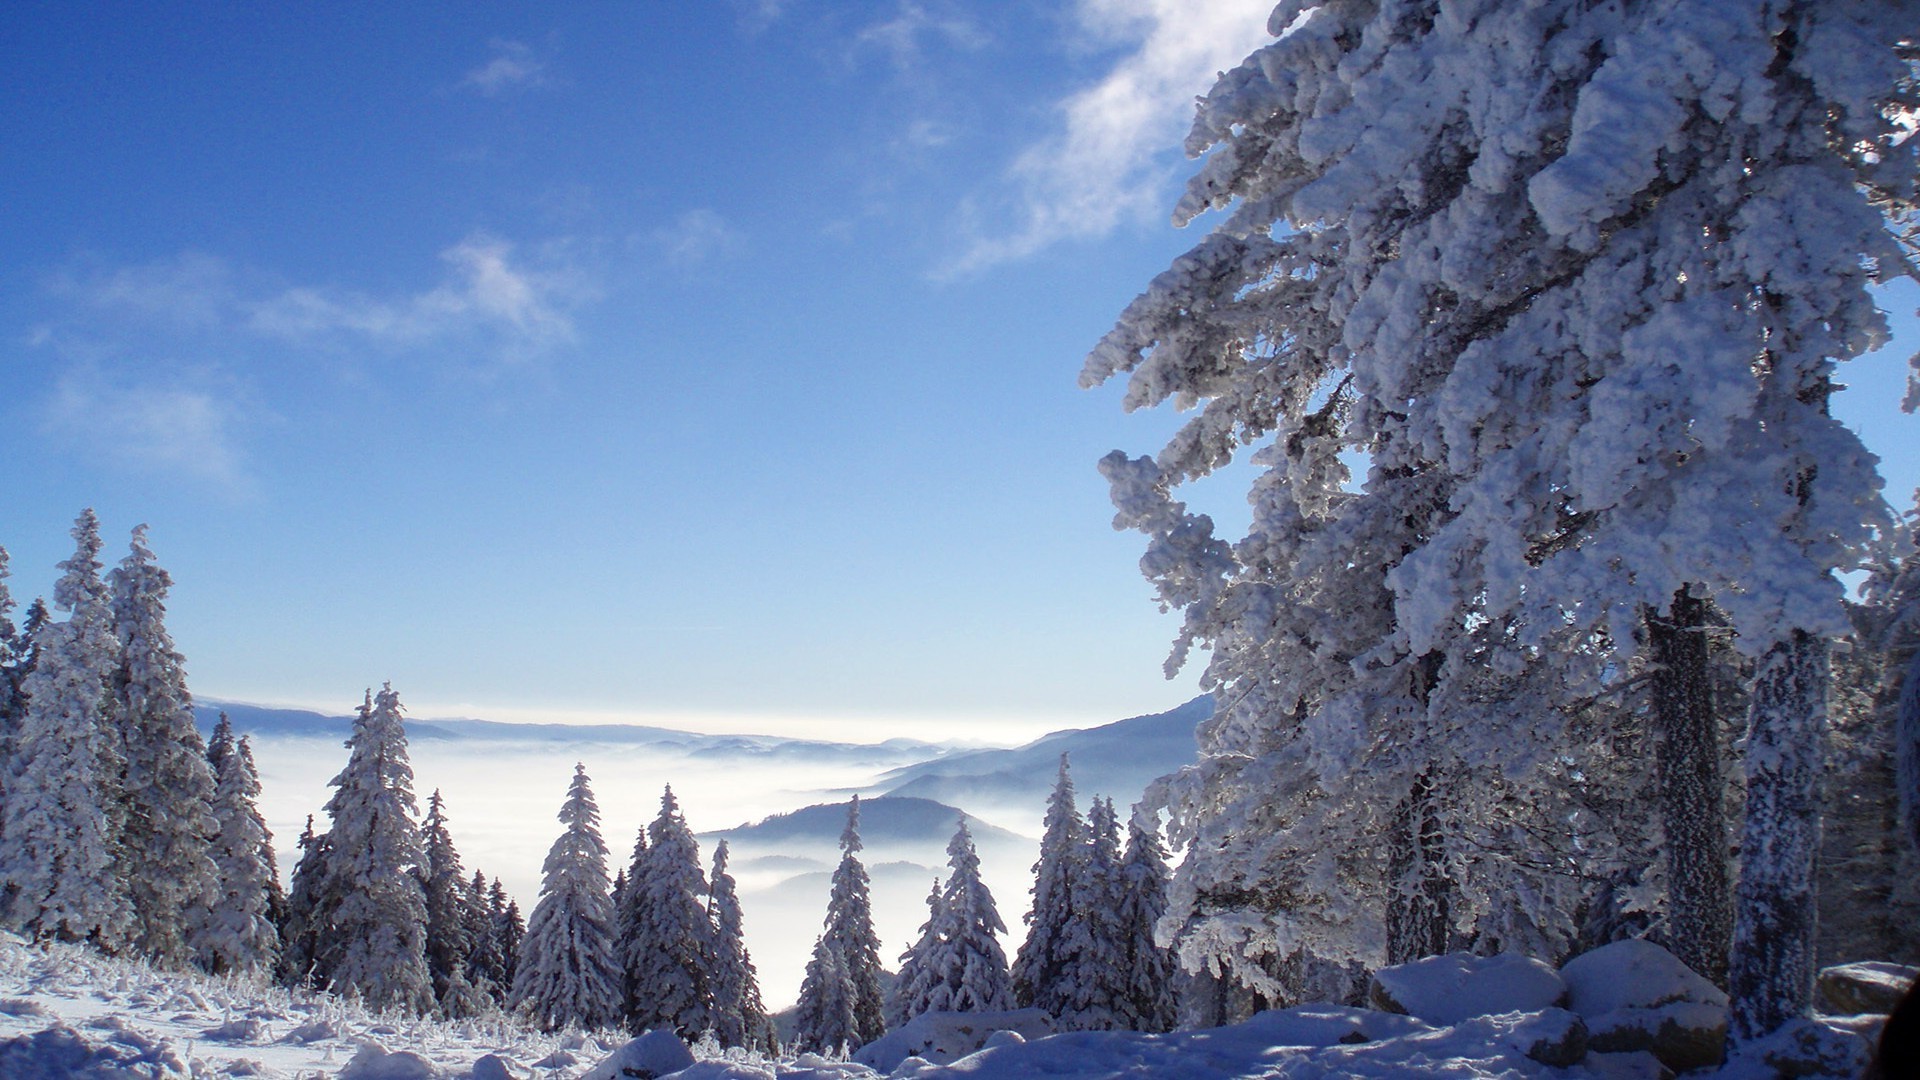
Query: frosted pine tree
376, 940
671, 943
309, 913
1575, 278
568, 975
969, 967
913, 986
11, 661
823, 1018
238, 933
447, 944
850, 925
60, 848
1091, 989
486, 968
509, 931
1042, 958
169, 784
739, 1015
1147, 1000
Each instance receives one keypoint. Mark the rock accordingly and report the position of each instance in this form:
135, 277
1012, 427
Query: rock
1813, 1046
1553, 1037
1448, 989
1632, 974
373, 1062
944, 1037
1682, 1034
495, 1067
1638, 1065
1871, 986
657, 1053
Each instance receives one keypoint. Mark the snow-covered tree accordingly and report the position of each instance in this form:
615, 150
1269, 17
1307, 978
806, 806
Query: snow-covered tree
1147, 1001
849, 950
238, 933
1042, 958
1574, 279
303, 961
568, 973
447, 943
739, 1015
168, 785
1091, 989
914, 984
670, 942
10, 659
375, 940
485, 966
60, 850
509, 930
968, 967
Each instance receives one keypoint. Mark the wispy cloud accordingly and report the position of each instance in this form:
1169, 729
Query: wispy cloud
487, 291
1111, 157
188, 290
513, 67
171, 429
900, 37
696, 236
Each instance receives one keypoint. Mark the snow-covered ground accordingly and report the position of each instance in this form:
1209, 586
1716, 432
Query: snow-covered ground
67, 1013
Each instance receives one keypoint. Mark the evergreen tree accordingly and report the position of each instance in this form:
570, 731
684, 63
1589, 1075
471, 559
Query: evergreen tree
841, 1004
1043, 957
486, 969
448, 945
239, 933
1091, 989
969, 967
670, 940
61, 844
1147, 1001
168, 787
303, 962
509, 931
914, 985
12, 657
823, 1018
567, 973
739, 1016
375, 941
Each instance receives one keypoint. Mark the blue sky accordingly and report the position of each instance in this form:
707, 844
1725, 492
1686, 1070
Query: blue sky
710, 364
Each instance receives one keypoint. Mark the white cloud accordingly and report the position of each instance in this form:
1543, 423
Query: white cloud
189, 290
513, 67
1107, 162
171, 430
487, 292
696, 236
899, 37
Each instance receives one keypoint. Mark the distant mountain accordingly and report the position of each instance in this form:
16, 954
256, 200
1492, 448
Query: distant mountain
886, 821
1118, 760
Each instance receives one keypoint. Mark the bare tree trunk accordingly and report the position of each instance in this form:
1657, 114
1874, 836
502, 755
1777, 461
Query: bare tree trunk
1419, 918
1690, 789
1771, 974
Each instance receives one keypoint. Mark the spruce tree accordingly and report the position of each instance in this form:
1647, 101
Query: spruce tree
485, 967
448, 945
1042, 959
239, 933
670, 940
61, 845
567, 973
1091, 986
303, 962
913, 986
841, 1004
823, 1018
12, 656
739, 1015
509, 931
376, 940
1147, 1001
971, 973
169, 786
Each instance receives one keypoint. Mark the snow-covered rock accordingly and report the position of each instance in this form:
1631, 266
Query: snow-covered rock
941, 1037
1451, 988
495, 1067
374, 1062
1811, 1047
657, 1053
1870, 986
1635, 995
61, 1053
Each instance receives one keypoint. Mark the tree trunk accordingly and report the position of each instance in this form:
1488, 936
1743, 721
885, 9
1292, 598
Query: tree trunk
1906, 759
1418, 917
1690, 789
1771, 975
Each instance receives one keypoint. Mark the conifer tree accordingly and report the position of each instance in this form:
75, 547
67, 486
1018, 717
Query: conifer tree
303, 962
1042, 959
850, 1012
1091, 986
568, 974
1147, 1001
168, 787
671, 938
375, 940
969, 967
509, 931
239, 933
485, 968
447, 943
11, 660
913, 986
739, 1015
823, 1018
61, 844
